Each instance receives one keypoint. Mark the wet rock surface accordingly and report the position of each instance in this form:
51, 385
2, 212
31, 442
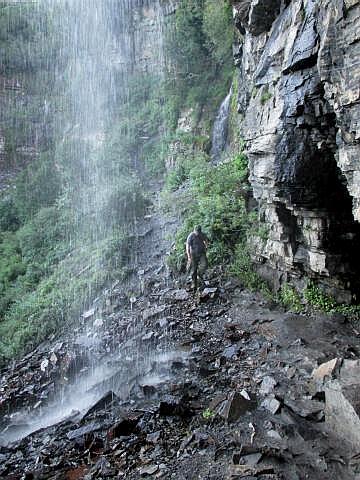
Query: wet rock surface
257, 412
160, 382
299, 105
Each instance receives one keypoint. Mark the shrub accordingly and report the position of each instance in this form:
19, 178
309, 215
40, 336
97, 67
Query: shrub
315, 297
200, 46
217, 26
290, 298
218, 205
9, 220
208, 414
37, 186
242, 267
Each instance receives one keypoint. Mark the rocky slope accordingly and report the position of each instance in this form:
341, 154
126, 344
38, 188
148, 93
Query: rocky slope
299, 105
157, 382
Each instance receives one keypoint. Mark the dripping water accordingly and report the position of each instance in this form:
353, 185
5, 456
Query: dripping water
220, 130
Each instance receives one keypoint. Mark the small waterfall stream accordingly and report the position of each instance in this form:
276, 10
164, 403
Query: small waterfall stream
220, 130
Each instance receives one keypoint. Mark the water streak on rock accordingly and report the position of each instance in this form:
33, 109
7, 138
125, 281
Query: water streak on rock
220, 131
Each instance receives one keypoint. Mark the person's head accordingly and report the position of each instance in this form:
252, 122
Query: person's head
197, 229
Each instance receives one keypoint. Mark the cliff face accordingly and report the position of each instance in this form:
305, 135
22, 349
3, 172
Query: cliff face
299, 100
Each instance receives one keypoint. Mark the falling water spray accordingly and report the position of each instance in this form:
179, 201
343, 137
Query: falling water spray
99, 54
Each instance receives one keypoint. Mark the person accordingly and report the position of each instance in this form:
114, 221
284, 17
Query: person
196, 246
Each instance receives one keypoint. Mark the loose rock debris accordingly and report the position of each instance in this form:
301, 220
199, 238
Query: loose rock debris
189, 387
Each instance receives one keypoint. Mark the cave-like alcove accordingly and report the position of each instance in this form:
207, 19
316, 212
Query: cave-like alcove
310, 179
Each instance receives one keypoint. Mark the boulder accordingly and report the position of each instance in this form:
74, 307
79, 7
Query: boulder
86, 430
271, 404
236, 405
326, 370
342, 412
267, 385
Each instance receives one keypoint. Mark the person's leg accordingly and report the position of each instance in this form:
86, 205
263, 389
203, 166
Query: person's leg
195, 265
203, 264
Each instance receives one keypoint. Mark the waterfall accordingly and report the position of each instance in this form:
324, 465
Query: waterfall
100, 54
220, 130
91, 86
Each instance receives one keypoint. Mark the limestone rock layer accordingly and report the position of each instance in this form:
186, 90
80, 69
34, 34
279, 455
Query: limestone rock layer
299, 100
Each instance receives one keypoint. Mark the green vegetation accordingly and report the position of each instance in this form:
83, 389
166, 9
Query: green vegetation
200, 47
217, 203
319, 300
19, 34
290, 298
265, 96
48, 274
242, 267
208, 414
315, 297
217, 17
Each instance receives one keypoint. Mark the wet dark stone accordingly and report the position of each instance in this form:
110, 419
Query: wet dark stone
174, 406
149, 390
124, 428
80, 432
262, 15
177, 365
236, 406
306, 408
206, 370
103, 404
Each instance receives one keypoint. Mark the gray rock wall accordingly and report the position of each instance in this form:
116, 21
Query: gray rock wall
299, 98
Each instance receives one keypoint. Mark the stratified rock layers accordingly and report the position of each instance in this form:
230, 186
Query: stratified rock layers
299, 100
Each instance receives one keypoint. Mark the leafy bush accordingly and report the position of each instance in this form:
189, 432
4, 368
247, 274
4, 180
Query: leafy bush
9, 217
319, 300
208, 414
37, 186
218, 205
200, 46
242, 267
11, 262
39, 238
290, 298
59, 297
216, 22
315, 297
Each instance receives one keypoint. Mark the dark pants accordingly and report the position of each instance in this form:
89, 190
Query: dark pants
199, 265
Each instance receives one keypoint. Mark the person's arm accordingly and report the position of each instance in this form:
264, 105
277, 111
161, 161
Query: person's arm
188, 253
205, 240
